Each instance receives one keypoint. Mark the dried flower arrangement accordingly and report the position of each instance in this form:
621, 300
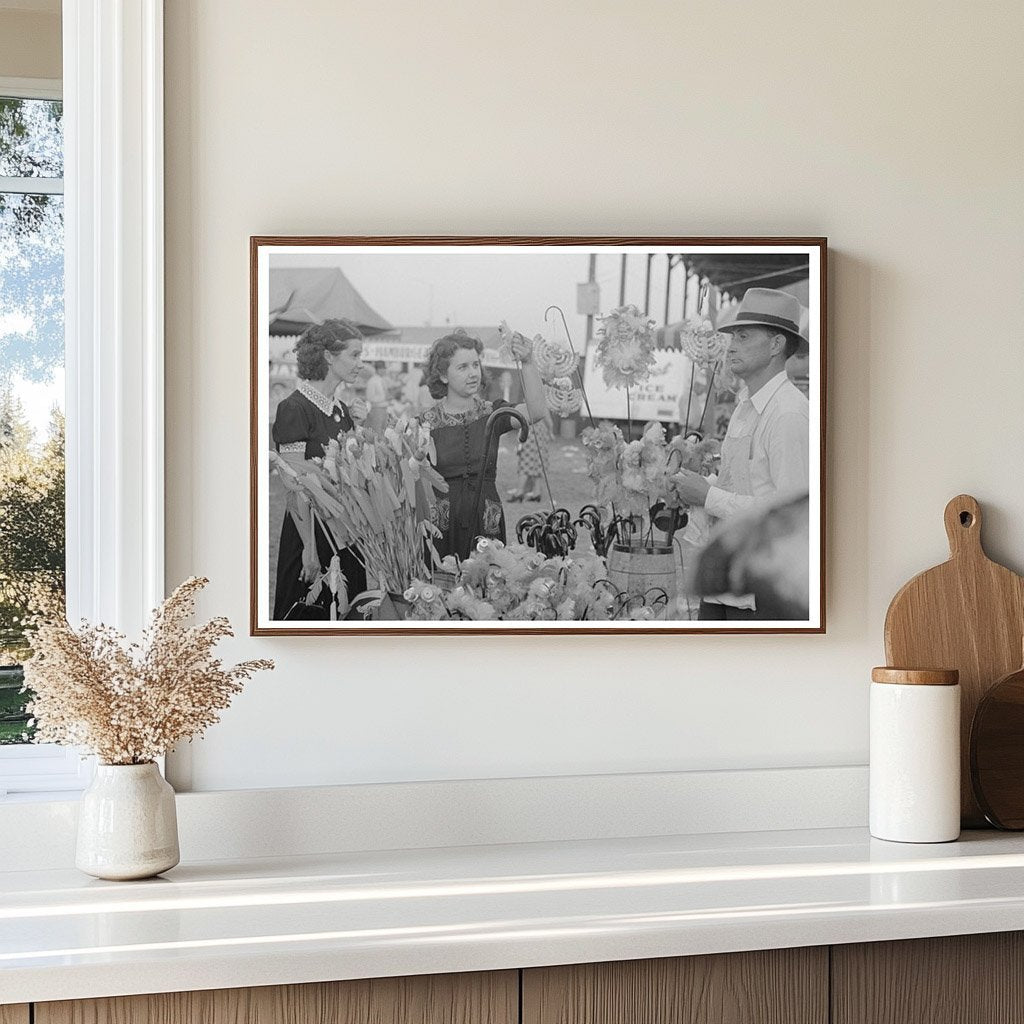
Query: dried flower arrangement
129, 704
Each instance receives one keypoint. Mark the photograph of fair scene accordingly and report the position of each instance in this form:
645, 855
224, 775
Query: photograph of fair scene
556, 438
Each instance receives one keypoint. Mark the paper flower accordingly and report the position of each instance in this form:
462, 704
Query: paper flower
553, 360
692, 453
625, 347
420, 591
603, 445
505, 336
632, 467
516, 583
563, 396
464, 603
653, 457
375, 491
702, 343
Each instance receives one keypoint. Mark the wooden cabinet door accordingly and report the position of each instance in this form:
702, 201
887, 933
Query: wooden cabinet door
960, 979
777, 986
482, 998
14, 1014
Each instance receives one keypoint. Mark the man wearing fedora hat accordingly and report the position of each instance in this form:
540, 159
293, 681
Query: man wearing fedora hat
766, 449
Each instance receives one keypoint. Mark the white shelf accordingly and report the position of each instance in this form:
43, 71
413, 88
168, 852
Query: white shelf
352, 915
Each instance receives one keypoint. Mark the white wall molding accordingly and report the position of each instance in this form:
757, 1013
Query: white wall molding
243, 824
113, 89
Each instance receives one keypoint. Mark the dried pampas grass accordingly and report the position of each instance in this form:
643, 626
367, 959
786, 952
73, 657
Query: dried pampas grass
128, 704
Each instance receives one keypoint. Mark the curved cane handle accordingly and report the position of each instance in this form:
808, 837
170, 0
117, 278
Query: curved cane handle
524, 424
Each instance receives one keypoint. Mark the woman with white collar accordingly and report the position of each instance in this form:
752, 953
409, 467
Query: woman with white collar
329, 355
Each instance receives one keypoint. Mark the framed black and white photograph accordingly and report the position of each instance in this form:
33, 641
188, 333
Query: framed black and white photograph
537, 435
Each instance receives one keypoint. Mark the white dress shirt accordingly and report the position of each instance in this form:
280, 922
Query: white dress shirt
766, 450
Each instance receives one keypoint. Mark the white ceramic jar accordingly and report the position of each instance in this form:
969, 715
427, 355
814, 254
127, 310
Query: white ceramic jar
915, 755
127, 823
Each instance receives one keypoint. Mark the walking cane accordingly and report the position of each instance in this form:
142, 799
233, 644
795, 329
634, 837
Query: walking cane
489, 435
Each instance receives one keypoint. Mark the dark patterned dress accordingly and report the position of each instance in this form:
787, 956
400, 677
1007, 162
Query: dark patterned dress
306, 421
459, 439
533, 452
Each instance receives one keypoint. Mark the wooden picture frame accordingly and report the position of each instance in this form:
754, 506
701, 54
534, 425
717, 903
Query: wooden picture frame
405, 293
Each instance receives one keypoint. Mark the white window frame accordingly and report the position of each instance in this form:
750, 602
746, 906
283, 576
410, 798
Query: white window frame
31, 89
114, 334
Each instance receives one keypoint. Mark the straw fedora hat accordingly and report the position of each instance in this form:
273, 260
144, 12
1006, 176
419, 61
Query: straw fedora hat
766, 307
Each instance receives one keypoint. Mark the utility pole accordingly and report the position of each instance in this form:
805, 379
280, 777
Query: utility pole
668, 283
591, 278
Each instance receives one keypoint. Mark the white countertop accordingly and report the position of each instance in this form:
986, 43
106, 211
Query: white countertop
224, 924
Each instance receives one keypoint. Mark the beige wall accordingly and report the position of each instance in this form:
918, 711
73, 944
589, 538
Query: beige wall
894, 129
29, 45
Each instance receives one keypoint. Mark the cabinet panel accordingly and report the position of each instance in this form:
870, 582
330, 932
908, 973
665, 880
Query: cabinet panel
481, 998
778, 986
961, 979
14, 1014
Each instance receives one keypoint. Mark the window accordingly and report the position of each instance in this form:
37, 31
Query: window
32, 532
31, 381
113, 331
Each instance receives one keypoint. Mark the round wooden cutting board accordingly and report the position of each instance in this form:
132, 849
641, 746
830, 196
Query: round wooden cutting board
997, 752
967, 614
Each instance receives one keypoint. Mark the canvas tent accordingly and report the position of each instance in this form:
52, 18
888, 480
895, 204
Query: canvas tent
310, 295
735, 273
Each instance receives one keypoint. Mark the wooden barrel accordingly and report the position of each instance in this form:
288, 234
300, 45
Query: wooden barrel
444, 580
645, 569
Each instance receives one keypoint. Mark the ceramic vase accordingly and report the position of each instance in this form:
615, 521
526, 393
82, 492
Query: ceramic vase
127, 825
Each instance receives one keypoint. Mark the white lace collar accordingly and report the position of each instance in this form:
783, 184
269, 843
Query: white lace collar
324, 403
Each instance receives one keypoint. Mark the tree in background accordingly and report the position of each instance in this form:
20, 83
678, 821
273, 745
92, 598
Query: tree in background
32, 571
31, 242
31, 524
31, 349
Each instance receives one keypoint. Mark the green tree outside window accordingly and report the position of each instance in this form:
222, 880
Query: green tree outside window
32, 541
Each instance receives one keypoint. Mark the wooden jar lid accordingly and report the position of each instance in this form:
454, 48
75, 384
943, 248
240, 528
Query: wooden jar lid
916, 676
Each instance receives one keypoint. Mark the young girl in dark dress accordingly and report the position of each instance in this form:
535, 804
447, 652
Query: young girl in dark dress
329, 354
457, 424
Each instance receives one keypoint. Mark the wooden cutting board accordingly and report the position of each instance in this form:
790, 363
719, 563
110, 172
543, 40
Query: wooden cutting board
997, 752
967, 614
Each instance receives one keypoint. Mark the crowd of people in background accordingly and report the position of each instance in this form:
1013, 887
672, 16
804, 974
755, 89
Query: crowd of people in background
400, 388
